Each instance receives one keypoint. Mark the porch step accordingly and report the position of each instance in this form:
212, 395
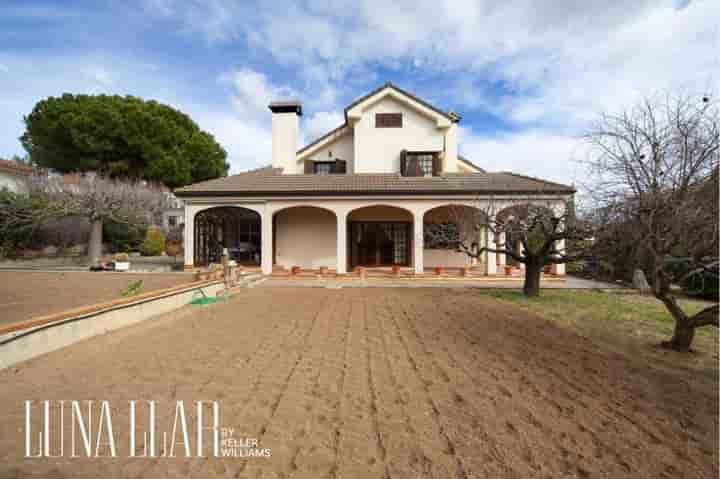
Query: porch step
249, 280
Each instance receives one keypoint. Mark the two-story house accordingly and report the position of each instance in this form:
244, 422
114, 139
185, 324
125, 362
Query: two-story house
364, 194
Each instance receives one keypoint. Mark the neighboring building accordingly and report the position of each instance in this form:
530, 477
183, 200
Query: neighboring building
15, 176
173, 214
367, 193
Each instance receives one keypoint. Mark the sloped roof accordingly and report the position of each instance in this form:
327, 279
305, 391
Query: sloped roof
16, 168
454, 117
271, 182
448, 115
470, 163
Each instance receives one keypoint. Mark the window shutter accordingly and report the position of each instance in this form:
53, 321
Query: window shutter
309, 167
340, 167
403, 163
436, 166
388, 120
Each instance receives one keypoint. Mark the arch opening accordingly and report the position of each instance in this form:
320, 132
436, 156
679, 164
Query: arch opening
305, 236
451, 230
380, 235
235, 228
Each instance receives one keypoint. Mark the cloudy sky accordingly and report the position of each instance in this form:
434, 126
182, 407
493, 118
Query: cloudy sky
526, 75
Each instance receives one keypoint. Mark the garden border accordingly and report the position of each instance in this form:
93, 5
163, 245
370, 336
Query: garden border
27, 339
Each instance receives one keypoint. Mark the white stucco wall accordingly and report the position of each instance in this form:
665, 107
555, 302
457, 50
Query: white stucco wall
303, 232
305, 237
16, 184
446, 258
285, 131
341, 149
377, 150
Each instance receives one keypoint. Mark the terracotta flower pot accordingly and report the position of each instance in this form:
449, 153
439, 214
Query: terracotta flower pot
360, 270
323, 270
295, 270
439, 270
396, 269
508, 270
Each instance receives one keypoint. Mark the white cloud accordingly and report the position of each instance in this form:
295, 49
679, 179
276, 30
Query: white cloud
243, 131
320, 123
544, 67
253, 92
537, 153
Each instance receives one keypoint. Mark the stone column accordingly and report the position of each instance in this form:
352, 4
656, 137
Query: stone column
490, 257
189, 237
341, 267
502, 259
418, 242
266, 226
559, 269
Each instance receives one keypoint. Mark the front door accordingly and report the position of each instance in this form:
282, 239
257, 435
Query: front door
375, 243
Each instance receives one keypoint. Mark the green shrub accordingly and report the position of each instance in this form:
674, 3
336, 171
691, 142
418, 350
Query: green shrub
123, 236
154, 243
20, 215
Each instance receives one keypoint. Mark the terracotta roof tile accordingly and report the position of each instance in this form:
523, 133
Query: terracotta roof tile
271, 182
16, 167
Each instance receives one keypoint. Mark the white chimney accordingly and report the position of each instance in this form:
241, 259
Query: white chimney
285, 132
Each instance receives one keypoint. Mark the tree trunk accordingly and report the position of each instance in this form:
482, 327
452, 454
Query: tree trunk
95, 243
531, 287
685, 326
682, 336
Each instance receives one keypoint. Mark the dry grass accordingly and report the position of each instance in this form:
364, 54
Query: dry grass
627, 323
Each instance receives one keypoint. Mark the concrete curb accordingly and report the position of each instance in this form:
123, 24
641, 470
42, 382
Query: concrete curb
34, 337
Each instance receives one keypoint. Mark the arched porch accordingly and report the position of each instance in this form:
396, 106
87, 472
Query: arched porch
379, 236
233, 228
304, 236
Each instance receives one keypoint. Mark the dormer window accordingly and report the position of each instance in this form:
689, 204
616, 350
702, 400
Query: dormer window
324, 167
388, 120
334, 167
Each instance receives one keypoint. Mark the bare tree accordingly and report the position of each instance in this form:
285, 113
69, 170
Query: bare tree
533, 234
655, 166
99, 199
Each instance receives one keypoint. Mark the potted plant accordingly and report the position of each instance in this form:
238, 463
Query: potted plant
439, 270
295, 270
323, 270
396, 269
122, 262
508, 270
360, 270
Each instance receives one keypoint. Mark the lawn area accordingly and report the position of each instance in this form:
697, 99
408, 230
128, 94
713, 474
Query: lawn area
627, 323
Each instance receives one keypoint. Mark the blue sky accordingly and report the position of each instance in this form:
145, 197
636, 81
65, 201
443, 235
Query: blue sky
527, 76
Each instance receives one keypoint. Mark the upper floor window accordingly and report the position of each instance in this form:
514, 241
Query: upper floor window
388, 120
324, 167
332, 167
419, 164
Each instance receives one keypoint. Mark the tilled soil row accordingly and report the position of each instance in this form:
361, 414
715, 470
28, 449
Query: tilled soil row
376, 383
